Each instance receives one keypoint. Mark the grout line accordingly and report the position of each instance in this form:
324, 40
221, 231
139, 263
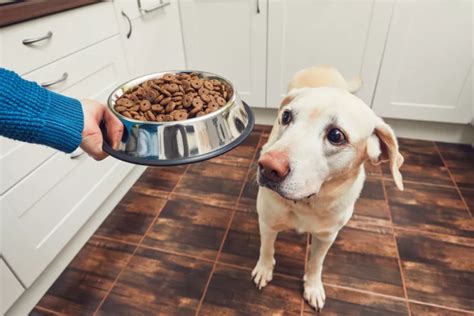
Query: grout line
426, 184
136, 248
452, 179
47, 310
234, 210
402, 275
306, 257
442, 306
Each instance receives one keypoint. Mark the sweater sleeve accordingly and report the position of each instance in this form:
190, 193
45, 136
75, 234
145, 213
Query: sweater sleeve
31, 113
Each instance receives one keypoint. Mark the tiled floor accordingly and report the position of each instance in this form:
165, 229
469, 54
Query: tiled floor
184, 240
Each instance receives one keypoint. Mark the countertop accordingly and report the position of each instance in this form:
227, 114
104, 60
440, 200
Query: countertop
29, 9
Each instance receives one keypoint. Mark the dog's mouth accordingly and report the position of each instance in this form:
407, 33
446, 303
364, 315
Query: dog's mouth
277, 187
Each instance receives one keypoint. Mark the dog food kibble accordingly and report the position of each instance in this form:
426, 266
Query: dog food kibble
173, 98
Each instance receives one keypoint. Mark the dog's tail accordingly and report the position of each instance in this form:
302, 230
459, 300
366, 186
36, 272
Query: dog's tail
354, 84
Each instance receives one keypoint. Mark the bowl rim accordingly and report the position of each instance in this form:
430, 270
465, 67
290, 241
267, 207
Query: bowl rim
143, 78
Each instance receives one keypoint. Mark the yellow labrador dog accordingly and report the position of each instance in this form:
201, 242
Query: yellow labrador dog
311, 170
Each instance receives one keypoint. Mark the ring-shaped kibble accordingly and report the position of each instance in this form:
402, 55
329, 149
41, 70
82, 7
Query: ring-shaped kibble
213, 106
160, 118
188, 100
145, 105
170, 107
168, 77
220, 101
205, 97
156, 107
197, 103
208, 85
196, 84
120, 108
200, 113
127, 114
203, 91
173, 87
180, 115
215, 82
165, 101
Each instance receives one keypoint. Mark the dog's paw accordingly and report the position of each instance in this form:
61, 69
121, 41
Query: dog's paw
314, 294
262, 274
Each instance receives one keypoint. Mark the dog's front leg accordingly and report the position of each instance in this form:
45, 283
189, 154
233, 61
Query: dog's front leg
263, 271
313, 284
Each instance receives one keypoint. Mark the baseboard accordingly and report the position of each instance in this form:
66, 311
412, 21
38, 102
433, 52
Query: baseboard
442, 132
35, 292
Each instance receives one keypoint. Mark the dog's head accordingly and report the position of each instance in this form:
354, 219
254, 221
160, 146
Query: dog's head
324, 134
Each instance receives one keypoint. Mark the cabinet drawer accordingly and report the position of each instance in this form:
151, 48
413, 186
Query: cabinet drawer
31, 241
11, 288
71, 31
86, 69
130, 7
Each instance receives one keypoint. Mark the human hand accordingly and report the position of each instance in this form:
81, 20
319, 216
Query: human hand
94, 114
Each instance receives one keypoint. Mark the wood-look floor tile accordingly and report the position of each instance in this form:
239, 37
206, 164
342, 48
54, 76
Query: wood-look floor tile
41, 312
187, 226
372, 203
460, 161
341, 301
131, 217
468, 195
438, 269
213, 183
231, 292
426, 310
429, 208
262, 128
422, 163
156, 283
365, 259
242, 245
159, 181
371, 170
246, 150
82, 286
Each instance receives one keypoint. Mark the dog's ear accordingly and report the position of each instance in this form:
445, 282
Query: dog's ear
383, 146
290, 96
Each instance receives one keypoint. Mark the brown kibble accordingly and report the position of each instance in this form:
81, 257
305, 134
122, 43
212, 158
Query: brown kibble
196, 84
145, 105
197, 102
150, 116
165, 101
170, 107
134, 108
208, 85
205, 97
164, 91
188, 100
126, 114
168, 77
180, 115
173, 88
120, 108
157, 107
220, 101
201, 113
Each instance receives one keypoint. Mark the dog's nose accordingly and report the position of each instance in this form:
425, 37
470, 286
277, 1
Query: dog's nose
274, 165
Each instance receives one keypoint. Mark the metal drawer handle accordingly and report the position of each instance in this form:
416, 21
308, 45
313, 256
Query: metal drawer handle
30, 41
161, 5
54, 82
129, 24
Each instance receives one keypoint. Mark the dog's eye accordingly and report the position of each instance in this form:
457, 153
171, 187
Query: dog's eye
336, 136
286, 117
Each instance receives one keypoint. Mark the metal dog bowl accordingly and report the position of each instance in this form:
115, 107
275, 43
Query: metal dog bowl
181, 142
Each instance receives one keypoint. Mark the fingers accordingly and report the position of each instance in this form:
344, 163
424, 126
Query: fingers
114, 128
92, 145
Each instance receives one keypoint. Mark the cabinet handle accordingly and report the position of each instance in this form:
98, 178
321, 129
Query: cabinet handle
258, 6
54, 82
129, 24
30, 41
161, 5
77, 153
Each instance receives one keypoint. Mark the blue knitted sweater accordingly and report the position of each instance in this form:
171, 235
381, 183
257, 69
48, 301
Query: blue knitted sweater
34, 114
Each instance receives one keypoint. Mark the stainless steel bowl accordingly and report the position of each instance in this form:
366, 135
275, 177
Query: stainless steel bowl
181, 142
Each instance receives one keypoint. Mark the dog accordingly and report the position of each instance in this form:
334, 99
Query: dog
311, 170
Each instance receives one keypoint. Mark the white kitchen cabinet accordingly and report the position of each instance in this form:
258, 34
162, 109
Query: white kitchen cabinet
426, 72
152, 41
348, 35
44, 210
228, 38
10, 287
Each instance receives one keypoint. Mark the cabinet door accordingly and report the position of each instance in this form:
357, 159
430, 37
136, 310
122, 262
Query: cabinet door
348, 35
155, 43
228, 38
10, 287
44, 210
426, 72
